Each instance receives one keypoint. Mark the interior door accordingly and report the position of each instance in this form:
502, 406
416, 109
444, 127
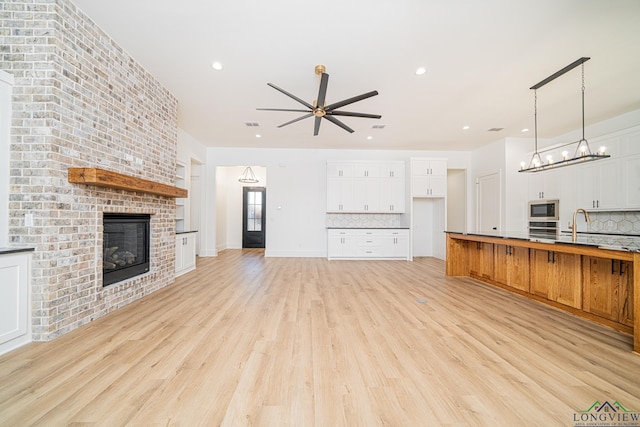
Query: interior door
253, 216
488, 203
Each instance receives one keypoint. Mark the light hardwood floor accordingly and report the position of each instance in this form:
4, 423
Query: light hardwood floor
253, 341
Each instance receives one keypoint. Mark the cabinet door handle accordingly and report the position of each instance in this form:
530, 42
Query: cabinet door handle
613, 269
593, 203
548, 257
620, 268
597, 203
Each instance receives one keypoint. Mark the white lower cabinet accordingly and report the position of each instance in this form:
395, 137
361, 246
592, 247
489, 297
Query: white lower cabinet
15, 313
185, 252
376, 243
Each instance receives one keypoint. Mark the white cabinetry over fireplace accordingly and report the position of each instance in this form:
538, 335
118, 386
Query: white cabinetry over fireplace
185, 252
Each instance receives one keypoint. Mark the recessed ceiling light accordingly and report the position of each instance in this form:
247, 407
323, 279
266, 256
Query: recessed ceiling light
465, 127
420, 71
216, 66
258, 135
525, 130
369, 137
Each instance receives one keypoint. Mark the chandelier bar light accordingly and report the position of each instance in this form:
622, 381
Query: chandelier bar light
582, 151
248, 176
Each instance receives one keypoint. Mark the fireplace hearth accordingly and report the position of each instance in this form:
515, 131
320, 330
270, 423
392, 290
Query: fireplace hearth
125, 246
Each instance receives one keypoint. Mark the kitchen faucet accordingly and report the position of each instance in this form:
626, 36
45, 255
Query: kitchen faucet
574, 227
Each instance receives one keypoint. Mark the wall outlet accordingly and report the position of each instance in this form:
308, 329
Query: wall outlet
28, 220
138, 160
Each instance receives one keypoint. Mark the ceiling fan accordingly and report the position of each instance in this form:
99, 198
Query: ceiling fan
320, 110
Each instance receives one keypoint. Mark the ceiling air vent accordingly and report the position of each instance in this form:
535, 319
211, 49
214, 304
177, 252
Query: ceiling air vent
378, 126
252, 124
495, 129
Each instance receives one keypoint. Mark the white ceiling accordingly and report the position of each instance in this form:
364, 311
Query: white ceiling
481, 58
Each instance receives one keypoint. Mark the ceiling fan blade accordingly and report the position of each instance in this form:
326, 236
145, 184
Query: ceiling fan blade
339, 123
350, 100
296, 120
316, 126
322, 93
290, 95
282, 109
350, 114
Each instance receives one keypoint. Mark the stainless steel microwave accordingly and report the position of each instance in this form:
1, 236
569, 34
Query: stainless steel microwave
544, 210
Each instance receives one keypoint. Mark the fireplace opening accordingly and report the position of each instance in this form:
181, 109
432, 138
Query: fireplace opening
125, 246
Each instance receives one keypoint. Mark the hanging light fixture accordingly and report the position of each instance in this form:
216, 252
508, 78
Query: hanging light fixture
248, 176
582, 153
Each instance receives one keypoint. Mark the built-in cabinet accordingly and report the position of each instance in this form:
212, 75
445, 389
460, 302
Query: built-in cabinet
611, 184
608, 288
428, 177
556, 277
365, 187
630, 182
481, 259
15, 312
512, 266
546, 185
368, 243
185, 252
599, 185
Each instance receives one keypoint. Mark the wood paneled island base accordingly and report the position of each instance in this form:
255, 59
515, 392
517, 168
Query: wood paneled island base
601, 285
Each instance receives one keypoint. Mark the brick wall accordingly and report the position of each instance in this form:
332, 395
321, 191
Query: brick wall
80, 101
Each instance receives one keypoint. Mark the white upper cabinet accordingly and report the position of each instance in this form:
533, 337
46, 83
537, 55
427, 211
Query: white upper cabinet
428, 177
598, 185
630, 182
366, 187
547, 185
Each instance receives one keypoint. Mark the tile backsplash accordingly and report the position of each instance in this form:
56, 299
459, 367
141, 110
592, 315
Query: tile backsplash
365, 220
614, 222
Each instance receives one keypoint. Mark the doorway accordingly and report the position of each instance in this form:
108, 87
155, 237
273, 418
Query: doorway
489, 202
253, 217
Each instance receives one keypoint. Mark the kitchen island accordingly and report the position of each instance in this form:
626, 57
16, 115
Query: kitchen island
595, 277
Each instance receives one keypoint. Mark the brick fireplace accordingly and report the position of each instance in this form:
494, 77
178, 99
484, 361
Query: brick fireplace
80, 101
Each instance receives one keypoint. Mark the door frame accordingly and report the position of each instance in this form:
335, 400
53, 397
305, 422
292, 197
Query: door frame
263, 222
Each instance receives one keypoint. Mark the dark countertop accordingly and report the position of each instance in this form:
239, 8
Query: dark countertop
367, 228
603, 241
186, 231
5, 251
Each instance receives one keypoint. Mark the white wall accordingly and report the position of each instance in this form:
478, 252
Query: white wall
296, 194
456, 200
6, 87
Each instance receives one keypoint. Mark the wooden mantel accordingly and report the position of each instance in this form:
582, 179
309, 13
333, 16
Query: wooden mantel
108, 179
